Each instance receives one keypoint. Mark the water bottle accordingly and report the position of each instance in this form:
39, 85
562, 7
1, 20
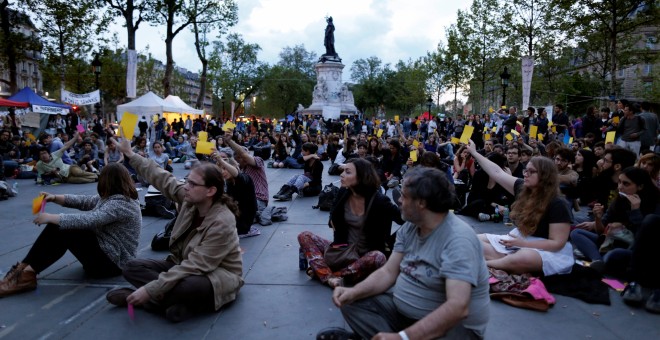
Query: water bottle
302, 260
505, 215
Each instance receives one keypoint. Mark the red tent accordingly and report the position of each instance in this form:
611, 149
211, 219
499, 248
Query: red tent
426, 116
11, 103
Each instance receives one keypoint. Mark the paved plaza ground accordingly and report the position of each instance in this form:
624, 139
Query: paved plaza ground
277, 302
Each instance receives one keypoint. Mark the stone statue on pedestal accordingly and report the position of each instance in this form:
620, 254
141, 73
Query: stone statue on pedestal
329, 42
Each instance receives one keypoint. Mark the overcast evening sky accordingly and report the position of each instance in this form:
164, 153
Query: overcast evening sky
392, 30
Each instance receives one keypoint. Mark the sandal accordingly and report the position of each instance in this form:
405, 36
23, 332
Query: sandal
334, 333
310, 272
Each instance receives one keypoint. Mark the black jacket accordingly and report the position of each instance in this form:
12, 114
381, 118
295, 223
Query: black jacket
377, 226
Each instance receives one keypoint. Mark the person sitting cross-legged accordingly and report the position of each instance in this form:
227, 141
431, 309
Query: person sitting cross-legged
435, 283
204, 270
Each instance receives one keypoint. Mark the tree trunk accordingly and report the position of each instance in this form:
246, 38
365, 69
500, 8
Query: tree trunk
9, 49
613, 33
169, 66
62, 68
202, 85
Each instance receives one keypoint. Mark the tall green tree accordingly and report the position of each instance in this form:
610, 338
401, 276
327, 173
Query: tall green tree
283, 88
613, 26
408, 85
436, 70
69, 30
178, 15
370, 92
298, 58
455, 57
205, 23
485, 37
234, 69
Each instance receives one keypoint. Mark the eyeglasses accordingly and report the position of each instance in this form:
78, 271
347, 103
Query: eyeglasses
529, 172
192, 184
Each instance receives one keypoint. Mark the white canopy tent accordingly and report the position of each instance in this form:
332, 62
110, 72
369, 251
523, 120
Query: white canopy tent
185, 108
147, 105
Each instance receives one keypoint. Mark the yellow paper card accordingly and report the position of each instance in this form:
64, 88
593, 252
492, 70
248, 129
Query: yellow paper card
346, 122
203, 136
377, 121
490, 109
229, 126
615, 119
515, 132
494, 129
570, 140
508, 136
487, 136
31, 137
415, 143
396, 118
519, 123
539, 137
380, 133
467, 134
554, 128
533, 131
413, 155
128, 124
485, 128
204, 148
455, 140
36, 204
609, 137
549, 123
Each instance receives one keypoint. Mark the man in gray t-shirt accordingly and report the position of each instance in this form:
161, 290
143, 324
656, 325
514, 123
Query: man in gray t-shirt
435, 283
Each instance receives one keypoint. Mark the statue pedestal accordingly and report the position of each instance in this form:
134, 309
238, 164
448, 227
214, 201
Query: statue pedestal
331, 97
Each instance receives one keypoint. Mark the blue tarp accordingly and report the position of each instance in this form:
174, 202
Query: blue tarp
28, 95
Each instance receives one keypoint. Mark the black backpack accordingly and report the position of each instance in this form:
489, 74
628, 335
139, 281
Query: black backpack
327, 197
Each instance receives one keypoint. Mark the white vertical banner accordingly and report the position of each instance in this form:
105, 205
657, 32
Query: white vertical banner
131, 74
527, 72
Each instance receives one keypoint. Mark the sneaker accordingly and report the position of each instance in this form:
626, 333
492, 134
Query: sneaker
18, 280
484, 217
118, 296
653, 302
632, 295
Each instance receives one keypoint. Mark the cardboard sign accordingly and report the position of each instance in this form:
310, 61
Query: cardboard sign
413, 155
467, 134
204, 148
533, 131
203, 136
610, 136
128, 124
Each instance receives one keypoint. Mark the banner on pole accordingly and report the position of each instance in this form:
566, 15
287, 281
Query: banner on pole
81, 98
131, 74
51, 110
527, 72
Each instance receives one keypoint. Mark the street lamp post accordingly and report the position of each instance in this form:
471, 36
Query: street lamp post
504, 76
96, 68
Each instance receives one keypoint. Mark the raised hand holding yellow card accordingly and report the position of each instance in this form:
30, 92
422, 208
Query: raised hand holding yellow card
413, 155
533, 131
455, 140
128, 124
610, 136
467, 134
37, 203
229, 126
203, 136
204, 148
380, 133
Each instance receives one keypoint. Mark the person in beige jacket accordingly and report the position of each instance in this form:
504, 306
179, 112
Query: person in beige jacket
204, 270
